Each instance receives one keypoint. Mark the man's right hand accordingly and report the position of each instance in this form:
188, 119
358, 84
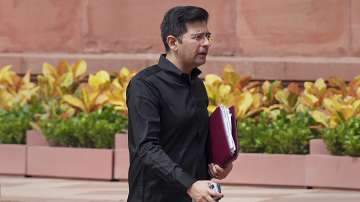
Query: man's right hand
200, 192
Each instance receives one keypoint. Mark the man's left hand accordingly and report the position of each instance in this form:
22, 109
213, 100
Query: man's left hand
218, 172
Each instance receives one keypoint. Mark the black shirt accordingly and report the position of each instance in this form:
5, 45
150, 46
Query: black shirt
168, 131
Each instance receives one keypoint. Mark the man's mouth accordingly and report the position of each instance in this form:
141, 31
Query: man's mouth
203, 53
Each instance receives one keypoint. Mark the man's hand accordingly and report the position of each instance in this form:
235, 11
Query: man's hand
200, 192
218, 172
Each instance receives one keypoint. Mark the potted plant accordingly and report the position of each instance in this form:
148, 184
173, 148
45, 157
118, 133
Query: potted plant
80, 146
272, 136
16, 112
340, 169
273, 149
13, 126
80, 124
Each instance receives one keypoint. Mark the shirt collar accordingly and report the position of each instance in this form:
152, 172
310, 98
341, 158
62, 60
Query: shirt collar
166, 65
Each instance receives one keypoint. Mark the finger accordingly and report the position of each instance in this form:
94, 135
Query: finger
210, 199
217, 198
210, 166
212, 173
212, 170
218, 169
206, 198
229, 166
215, 195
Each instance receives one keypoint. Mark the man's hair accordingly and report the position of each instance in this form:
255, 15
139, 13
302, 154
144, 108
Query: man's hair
175, 19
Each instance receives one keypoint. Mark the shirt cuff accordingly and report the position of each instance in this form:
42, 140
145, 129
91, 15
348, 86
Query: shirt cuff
186, 180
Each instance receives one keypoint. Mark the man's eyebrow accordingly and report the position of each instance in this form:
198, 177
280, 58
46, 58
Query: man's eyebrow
202, 33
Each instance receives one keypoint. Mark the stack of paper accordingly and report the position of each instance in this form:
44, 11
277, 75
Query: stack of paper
226, 118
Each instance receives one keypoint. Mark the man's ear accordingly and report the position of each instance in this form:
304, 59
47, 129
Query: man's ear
172, 42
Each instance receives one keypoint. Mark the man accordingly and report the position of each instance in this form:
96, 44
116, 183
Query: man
168, 118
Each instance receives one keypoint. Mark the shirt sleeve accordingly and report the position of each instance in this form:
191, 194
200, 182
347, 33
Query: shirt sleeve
144, 123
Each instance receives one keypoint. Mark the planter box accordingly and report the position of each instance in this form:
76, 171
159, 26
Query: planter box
326, 170
121, 157
268, 169
254, 169
318, 169
333, 171
47, 161
70, 162
12, 159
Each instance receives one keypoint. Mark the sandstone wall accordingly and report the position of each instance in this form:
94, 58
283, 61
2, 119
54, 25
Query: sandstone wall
274, 39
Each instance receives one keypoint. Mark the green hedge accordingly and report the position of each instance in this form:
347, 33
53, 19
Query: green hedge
344, 139
15, 122
279, 134
90, 130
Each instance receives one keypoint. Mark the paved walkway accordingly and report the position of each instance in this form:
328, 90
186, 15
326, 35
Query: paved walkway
20, 189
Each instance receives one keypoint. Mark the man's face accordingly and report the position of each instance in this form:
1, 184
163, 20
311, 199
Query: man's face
195, 44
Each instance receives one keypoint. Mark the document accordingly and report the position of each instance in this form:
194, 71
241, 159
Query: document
226, 118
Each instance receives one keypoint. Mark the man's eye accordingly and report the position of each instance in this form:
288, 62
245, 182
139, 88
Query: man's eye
202, 36
208, 35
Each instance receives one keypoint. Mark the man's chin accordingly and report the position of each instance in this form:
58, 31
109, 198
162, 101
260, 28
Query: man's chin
200, 63
200, 60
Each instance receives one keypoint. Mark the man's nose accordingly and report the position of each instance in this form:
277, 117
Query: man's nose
206, 42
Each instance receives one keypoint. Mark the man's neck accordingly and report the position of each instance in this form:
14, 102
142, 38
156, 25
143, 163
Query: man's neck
182, 67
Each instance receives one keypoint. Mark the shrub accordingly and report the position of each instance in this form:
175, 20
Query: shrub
344, 139
279, 134
91, 130
15, 122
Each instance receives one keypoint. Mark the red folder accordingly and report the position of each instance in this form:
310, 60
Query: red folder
220, 152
